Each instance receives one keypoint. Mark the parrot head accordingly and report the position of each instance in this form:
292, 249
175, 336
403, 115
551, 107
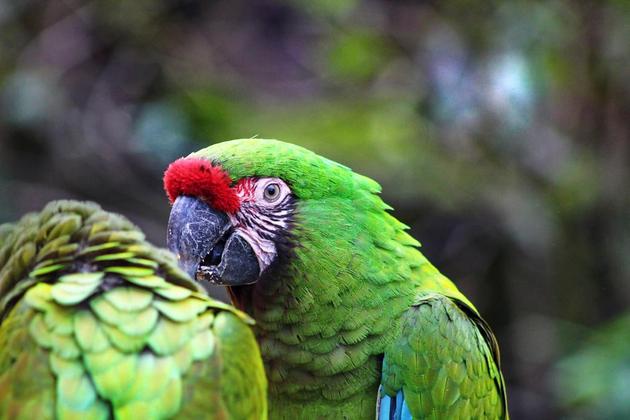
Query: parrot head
242, 209
224, 231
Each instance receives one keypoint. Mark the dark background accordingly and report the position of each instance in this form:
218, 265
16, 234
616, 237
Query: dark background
498, 129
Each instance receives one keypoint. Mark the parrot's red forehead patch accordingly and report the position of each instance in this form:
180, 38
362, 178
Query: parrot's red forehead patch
200, 178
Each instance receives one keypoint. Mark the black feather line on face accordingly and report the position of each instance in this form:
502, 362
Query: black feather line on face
285, 241
285, 238
268, 221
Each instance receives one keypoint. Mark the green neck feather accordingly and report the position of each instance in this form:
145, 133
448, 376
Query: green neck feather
325, 317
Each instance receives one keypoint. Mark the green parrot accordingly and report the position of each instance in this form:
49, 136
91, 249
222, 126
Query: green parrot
352, 320
96, 323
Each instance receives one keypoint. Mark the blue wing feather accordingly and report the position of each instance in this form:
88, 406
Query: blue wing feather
384, 406
393, 408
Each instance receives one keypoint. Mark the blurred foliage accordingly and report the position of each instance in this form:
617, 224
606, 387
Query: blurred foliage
594, 380
499, 131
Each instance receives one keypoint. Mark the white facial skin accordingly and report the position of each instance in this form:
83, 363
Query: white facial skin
263, 212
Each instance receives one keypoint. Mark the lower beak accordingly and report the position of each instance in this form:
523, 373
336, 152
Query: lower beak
206, 245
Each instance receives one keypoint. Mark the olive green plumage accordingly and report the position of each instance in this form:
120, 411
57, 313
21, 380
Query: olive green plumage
96, 323
357, 307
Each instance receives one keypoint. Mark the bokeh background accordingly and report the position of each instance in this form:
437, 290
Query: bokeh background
499, 130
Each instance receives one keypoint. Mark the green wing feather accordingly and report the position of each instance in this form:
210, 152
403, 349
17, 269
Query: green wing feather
101, 324
446, 362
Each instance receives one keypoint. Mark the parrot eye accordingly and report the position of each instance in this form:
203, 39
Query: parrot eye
271, 192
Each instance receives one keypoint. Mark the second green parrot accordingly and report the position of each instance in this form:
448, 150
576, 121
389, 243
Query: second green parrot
96, 323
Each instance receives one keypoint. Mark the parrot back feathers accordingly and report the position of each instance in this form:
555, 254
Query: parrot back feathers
98, 323
444, 364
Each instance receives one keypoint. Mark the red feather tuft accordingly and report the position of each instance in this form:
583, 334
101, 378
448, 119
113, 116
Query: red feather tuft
200, 178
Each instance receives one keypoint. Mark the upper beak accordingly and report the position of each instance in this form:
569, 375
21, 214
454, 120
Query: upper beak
207, 247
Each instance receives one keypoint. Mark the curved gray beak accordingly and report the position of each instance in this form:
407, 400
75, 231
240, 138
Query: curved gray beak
207, 247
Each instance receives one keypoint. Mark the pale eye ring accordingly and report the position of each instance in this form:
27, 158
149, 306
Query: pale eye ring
271, 193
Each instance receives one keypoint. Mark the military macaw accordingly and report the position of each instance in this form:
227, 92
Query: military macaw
352, 320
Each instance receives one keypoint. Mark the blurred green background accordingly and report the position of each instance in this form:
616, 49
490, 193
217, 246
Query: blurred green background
500, 131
